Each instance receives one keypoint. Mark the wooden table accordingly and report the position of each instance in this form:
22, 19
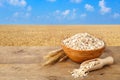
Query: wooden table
24, 63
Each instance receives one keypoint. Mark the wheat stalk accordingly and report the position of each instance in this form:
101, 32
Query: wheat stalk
55, 56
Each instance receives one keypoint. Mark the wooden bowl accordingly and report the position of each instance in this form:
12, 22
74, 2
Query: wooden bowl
82, 55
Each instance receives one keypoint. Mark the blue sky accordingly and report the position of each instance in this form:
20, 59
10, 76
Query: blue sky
59, 11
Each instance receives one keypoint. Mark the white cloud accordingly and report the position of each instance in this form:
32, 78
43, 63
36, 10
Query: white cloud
57, 11
51, 0
62, 13
76, 1
89, 7
29, 8
21, 3
21, 14
1, 3
73, 13
66, 12
116, 15
16, 14
103, 7
27, 14
83, 15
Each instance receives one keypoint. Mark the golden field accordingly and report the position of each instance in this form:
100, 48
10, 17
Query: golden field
52, 35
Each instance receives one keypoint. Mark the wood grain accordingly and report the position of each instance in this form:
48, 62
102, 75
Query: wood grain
24, 63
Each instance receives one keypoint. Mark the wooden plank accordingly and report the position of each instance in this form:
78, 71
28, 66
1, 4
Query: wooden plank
24, 63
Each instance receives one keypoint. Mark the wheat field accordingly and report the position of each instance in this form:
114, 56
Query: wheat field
52, 35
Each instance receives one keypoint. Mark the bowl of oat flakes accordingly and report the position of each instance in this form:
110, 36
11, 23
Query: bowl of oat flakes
83, 46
